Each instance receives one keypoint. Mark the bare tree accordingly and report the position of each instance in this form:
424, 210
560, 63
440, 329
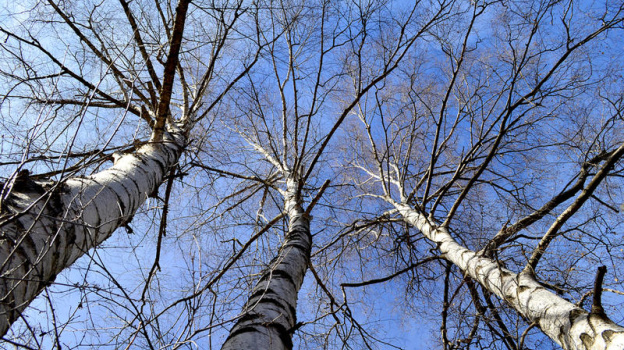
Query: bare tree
493, 129
321, 161
288, 122
120, 61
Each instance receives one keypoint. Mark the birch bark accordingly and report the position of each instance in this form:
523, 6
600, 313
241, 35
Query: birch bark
567, 324
46, 226
269, 316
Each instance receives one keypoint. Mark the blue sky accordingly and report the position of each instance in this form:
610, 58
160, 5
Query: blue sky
207, 225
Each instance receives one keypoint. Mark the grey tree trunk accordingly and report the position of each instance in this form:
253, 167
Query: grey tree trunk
269, 317
567, 324
46, 226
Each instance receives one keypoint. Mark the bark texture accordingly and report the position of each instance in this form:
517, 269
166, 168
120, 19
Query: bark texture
567, 324
46, 226
269, 317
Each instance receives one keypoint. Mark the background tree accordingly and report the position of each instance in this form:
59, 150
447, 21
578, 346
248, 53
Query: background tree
445, 148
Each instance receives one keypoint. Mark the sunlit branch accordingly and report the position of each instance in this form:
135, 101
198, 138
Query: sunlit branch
142, 47
585, 194
121, 78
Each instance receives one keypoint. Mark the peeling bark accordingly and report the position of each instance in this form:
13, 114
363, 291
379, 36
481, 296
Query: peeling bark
46, 226
269, 317
567, 324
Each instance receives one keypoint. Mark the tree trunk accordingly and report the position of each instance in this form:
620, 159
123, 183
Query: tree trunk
46, 226
269, 317
567, 324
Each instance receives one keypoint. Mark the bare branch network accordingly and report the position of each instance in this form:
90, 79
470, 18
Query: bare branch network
232, 174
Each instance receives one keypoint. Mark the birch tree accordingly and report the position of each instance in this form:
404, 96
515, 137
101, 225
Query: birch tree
129, 63
290, 174
470, 147
291, 132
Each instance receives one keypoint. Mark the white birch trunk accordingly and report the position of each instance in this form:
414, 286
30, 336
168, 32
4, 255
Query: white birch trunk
567, 324
46, 226
269, 316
